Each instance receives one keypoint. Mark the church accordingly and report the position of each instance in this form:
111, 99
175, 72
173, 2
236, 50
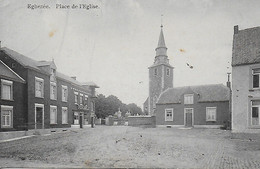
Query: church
188, 106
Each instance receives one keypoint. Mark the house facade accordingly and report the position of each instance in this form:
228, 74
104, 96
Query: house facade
50, 98
245, 80
12, 104
194, 106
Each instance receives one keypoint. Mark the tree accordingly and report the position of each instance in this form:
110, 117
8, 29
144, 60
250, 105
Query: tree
106, 106
134, 109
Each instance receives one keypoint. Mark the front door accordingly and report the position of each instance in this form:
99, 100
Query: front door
39, 114
188, 117
76, 118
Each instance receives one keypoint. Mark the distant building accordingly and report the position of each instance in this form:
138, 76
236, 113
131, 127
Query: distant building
41, 97
245, 80
198, 106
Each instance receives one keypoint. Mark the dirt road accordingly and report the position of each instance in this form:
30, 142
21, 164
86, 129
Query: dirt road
123, 146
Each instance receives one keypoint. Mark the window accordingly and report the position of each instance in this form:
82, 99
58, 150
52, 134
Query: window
64, 115
76, 97
256, 73
255, 112
7, 89
155, 71
188, 99
154, 101
81, 99
211, 113
64, 93
6, 116
92, 106
167, 71
86, 99
53, 90
168, 114
52, 78
53, 114
39, 83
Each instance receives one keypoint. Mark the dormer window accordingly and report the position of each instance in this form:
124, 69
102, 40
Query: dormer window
53, 73
188, 99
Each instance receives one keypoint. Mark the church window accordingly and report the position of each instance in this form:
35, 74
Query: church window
155, 71
167, 71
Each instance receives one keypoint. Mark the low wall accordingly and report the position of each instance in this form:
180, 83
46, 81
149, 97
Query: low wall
148, 121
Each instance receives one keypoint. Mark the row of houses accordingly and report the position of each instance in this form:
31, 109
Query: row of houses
34, 95
235, 105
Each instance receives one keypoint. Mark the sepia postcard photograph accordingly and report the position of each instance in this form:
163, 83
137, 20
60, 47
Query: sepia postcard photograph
129, 84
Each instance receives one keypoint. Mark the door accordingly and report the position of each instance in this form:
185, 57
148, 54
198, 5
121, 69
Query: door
39, 118
76, 118
188, 117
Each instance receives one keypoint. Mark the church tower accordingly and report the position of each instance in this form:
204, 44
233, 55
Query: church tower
160, 74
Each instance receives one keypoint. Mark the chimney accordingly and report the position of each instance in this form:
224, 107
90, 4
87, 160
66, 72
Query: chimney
74, 77
228, 82
236, 29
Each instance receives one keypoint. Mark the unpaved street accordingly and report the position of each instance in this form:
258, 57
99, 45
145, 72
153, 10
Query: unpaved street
124, 146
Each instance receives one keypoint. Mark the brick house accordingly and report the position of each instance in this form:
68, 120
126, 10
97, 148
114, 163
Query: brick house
11, 102
50, 99
245, 80
198, 106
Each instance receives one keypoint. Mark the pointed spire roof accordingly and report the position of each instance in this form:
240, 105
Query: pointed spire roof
161, 42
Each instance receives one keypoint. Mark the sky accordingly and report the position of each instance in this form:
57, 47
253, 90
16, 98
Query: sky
113, 45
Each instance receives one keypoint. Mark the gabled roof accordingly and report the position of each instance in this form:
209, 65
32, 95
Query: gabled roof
207, 93
8, 73
30, 63
23, 60
47, 63
246, 46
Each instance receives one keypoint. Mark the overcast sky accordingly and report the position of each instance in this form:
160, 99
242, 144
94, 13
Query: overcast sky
114, 45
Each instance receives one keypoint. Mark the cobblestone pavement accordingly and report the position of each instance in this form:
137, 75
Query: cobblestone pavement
123, 146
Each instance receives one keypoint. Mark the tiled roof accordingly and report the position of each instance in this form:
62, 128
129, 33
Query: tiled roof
8, 73
207, 93
92, 84
23, 60
28, 62
67, 78
246, 46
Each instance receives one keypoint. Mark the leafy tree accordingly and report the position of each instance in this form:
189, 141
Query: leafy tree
134, 109
106, 106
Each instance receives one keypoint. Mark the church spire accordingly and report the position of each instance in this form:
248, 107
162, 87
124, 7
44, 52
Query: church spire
161, 42
161, 50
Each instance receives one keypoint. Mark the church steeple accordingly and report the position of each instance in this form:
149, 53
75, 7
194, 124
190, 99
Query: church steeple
160, 75
161, 42
161, 50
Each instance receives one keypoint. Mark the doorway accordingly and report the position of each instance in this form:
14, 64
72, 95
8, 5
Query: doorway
188, 117
39, 116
